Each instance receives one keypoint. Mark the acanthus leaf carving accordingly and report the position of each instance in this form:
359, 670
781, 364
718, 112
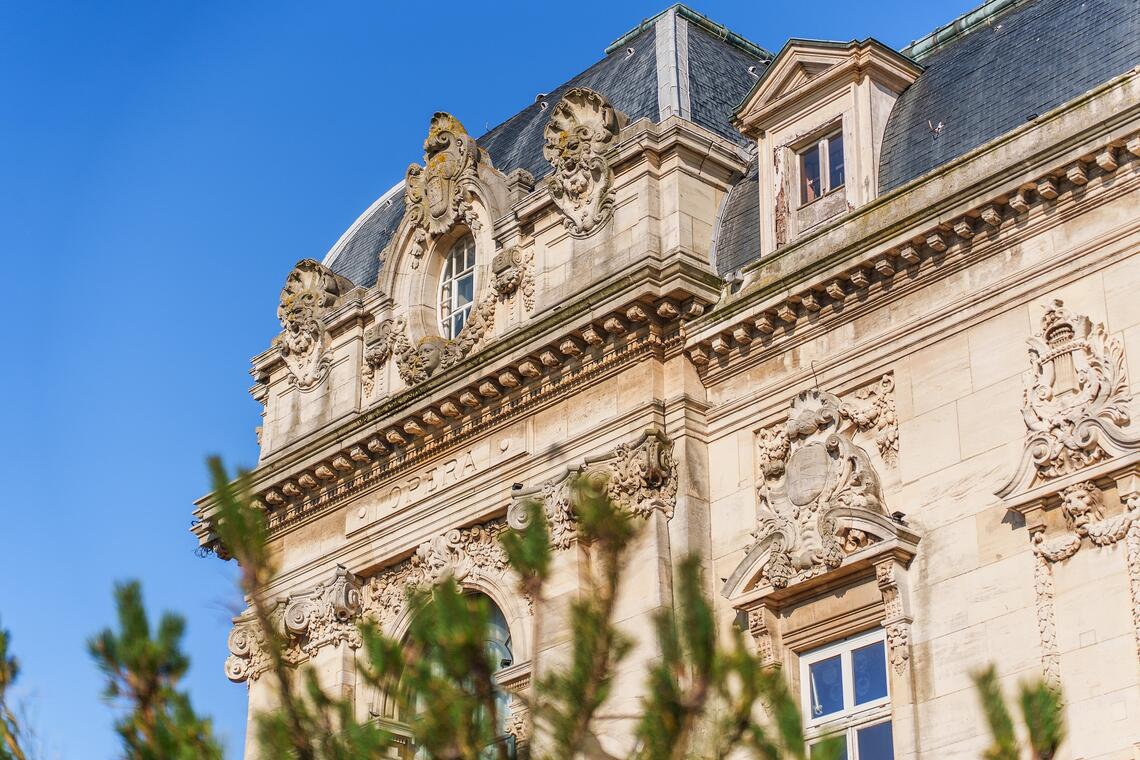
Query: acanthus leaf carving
809, 470
310, 291
640, 478
1076, 401
873, 408
582, 129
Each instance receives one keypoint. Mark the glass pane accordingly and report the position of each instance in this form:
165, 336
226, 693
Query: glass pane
470, 262
835, 162
870, 673
809, 175
457, 323
466, 288
826, 678
817, 750
875, 742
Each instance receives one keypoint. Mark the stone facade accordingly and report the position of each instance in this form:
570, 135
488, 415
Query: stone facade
911, 413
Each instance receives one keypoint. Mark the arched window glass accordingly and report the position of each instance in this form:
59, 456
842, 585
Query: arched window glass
457, 287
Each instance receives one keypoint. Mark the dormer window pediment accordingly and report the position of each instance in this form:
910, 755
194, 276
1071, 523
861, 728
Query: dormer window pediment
818, 116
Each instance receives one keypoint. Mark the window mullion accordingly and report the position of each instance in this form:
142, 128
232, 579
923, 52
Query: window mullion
824, 168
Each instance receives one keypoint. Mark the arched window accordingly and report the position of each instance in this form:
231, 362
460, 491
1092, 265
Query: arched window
457, 287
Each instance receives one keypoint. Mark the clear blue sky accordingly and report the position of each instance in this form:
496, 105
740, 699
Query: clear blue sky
162, 166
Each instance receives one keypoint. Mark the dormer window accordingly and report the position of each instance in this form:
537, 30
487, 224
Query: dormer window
821, 168
457, 287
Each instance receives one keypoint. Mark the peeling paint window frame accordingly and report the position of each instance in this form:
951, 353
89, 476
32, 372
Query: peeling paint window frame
822, 149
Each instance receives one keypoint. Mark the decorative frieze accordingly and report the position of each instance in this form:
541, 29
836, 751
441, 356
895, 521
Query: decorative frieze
640, 477
310, 291
582, 129
1076, 400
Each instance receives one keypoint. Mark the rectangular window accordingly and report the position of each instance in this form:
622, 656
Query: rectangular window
846, 698
821, 168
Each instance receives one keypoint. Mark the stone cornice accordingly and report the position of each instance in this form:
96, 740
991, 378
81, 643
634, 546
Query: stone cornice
579, 343
861, 255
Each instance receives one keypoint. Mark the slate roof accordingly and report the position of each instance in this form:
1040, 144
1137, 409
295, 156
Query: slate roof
738, 227
998, 75
719, 76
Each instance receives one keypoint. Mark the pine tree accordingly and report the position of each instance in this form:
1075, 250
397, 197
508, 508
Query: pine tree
143, 673
1042, 709
10, 733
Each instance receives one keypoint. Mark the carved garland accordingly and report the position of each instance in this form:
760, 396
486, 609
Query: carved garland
641, 478
581, 131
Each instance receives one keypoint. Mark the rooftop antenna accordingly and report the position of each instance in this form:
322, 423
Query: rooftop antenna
935, 129
813, 376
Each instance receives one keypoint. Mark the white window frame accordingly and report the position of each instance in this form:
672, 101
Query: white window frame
822, 145
852, 717
449, 280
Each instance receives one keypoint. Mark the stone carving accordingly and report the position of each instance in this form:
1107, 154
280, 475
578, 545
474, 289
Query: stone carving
379, 340
581, 130
310, 291
895, 621
327, 615
873, 408
465, 554
435, 196
1044, 591
514, 272
810, 469
1132, 557
433, 354
306, 623
1082, 505
518, 724
758, 627
640, 477
1076, 399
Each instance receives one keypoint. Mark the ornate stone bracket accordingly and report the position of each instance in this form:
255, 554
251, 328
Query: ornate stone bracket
891, 576
514, 273
379, 341
468, 555
641, 478
310, 291
582, 129
1076, 402
306, 622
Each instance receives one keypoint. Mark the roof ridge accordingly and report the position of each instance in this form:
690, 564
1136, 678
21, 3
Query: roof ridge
704, 22
965, 23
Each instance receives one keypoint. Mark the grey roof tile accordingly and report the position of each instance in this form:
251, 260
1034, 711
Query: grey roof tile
992, 79
738, 230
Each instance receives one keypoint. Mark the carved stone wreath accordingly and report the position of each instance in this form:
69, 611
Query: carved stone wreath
640, 477
582, 129
310, 291
1076, 402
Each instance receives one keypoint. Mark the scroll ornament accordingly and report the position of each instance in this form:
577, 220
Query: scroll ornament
435, 196
1076, 399
310, 291
640, 478
306, 623
810, 470
581, 131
